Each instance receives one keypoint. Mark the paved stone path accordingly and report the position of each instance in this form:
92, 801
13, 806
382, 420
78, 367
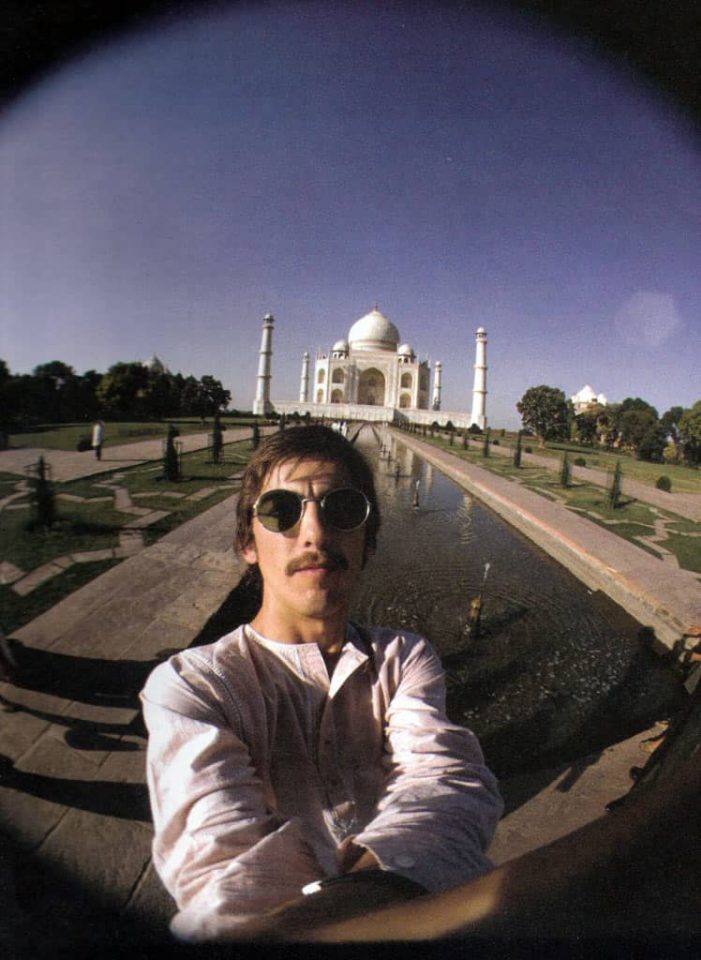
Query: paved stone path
70, 465
72, 793
685, 504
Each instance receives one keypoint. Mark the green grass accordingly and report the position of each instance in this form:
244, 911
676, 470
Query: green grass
684, 479
78, 527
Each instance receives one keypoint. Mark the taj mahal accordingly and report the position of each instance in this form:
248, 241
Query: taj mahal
371, 375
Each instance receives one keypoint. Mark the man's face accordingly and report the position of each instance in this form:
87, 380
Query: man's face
310, 570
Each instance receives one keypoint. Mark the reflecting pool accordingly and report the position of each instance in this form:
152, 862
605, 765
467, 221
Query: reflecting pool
556, 671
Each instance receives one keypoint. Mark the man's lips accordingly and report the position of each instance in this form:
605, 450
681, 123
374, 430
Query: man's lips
313, 562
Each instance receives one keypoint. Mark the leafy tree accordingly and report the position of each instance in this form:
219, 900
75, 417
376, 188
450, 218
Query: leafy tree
636, 403
213, 395
690, 433
545, 412
652, 444
634, 424
587, 425
670, 421
123, 388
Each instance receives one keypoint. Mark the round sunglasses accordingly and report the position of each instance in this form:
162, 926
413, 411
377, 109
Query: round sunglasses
344, 509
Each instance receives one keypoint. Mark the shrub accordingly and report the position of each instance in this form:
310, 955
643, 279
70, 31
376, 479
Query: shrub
615, 489
495, 441
528, 449
580, 462
664, 483
565, 471
83, 444
518, 450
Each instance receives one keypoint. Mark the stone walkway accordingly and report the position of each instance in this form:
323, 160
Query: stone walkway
73, 804
685, 504
70, 465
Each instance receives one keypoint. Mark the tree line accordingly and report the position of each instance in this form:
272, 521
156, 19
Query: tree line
632, 425
54, 393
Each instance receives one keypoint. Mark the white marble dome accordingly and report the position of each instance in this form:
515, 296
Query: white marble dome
340, 346
373, 332
406, 350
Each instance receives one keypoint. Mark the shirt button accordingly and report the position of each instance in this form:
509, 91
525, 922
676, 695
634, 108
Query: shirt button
404, 861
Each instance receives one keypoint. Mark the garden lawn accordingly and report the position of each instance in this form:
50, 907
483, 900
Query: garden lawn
94, 524
630, 520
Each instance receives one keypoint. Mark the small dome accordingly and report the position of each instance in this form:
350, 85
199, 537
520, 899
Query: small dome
340, 346
373, 332
585, 395
156, 365
406, 350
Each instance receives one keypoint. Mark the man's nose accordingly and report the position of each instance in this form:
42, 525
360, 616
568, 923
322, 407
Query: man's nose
312, 528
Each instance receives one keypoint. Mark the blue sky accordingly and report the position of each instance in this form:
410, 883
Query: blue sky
459, 168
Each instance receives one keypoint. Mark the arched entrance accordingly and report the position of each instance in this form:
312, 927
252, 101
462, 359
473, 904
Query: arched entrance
371, 387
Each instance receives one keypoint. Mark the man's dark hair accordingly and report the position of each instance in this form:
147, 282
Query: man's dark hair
297, 444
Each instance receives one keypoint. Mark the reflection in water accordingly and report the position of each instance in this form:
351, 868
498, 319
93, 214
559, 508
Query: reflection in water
556, 672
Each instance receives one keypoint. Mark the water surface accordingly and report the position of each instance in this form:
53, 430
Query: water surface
556, 672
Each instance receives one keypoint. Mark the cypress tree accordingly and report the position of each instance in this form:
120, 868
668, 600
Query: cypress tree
43, 497
565, 471
518, 452
615, 489
217, 439
171, 464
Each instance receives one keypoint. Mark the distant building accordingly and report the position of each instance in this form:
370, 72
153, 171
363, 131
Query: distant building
372, 368
586, 399
155, 365
372, 375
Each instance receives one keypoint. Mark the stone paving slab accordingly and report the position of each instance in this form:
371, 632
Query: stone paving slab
9, 572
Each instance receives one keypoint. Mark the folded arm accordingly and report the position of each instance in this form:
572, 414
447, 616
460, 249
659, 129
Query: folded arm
222, 852
441, 804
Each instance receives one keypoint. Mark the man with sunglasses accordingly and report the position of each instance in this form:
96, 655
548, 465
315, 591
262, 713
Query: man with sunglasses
301, 752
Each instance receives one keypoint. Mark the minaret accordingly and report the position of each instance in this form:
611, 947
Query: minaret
304, 382
479, 391
437, 372
261, 405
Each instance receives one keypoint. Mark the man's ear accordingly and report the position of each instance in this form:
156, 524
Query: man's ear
249, 552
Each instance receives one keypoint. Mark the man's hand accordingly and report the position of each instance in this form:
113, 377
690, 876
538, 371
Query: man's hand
352, 856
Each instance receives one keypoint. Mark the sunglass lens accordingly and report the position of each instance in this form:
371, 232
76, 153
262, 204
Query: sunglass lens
279, 510
345, 509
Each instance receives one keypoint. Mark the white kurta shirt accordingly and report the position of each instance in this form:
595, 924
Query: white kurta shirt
260, 765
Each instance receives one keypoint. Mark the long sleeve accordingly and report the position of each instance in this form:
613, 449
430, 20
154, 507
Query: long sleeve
440, 805
220, 849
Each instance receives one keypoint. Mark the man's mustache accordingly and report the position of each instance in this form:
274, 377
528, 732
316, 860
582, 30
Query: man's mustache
330, 560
